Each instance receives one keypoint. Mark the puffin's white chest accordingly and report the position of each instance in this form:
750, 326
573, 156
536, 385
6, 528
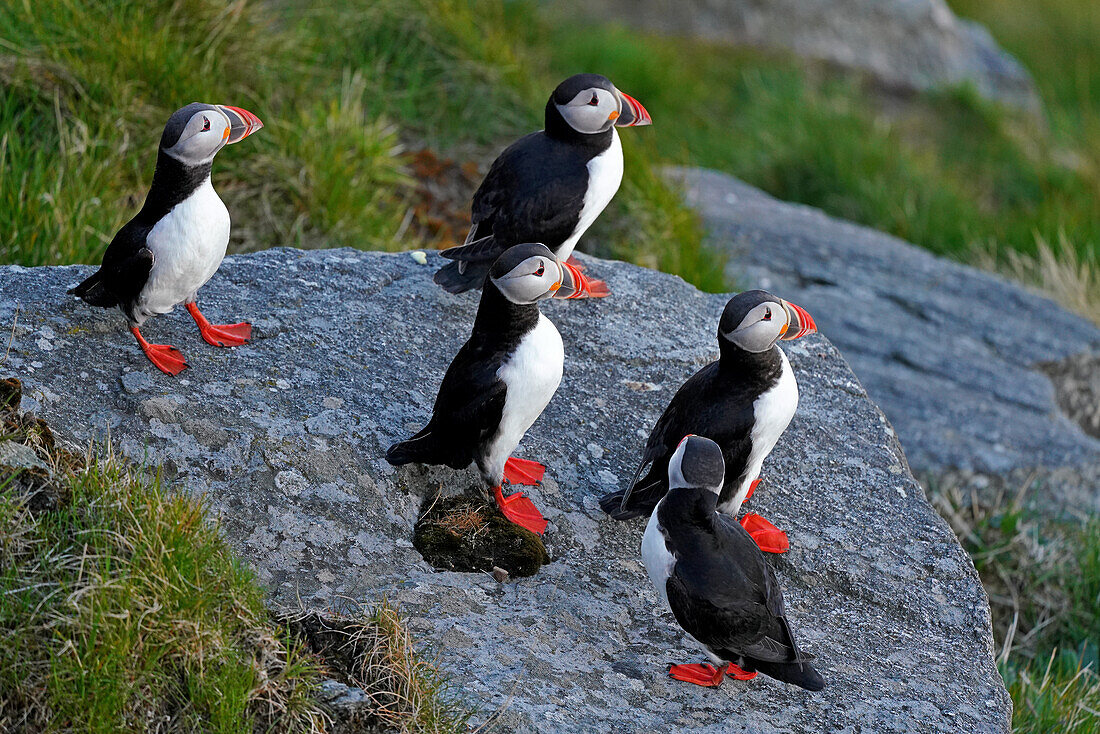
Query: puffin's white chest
772, 413
605, 173
532, 376
658, 561
188, 245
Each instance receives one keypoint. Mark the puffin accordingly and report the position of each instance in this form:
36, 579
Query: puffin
500, 381
549, 186
176, 242
714, 579
743, 401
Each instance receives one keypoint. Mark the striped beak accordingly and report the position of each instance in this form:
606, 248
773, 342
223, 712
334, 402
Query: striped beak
242, 123
800, 323
632, 113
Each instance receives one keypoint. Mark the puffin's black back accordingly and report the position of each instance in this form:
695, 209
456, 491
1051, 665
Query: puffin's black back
716, 403
723, 592
471, 397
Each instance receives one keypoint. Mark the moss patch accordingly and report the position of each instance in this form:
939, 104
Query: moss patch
467, 534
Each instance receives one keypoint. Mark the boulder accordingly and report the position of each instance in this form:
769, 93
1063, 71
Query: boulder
908, 45
960, 360
285, 436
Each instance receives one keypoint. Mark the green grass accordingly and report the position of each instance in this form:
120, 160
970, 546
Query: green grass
125, 607
1043, 581
85, 89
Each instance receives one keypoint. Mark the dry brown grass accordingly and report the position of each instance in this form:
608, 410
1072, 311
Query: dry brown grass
371, 648
1057, 270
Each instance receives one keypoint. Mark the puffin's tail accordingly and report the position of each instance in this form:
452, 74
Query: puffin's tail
461, 276
424, 448
94, 292
800, 674
612, 504
643, 498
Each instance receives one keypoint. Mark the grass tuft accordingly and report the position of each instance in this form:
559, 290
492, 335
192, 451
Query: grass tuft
123, 609
371, 648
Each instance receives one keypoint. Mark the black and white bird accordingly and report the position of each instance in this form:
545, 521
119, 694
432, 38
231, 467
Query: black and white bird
549, 186
162, 256
500, 381
744, 402
715, 580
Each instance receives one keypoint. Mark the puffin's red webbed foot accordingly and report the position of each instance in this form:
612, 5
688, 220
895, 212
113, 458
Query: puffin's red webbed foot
735, 672
770, 538
575, 263
523, 471
701, 674
752, 488
220, 335
165, 357
521, 510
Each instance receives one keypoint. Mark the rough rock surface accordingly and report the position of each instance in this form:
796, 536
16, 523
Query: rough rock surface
904, 44
954, 356
286, 436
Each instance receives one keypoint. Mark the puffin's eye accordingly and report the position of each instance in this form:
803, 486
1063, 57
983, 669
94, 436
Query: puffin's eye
595, 100
541, 270
768, 314
205, 124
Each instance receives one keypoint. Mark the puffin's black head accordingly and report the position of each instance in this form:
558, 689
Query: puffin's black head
756, 320
198, 131
590, 104
697, 464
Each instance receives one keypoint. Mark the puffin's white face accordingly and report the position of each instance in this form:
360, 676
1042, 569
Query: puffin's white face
761, 327
205, 134
532, 280
592, 110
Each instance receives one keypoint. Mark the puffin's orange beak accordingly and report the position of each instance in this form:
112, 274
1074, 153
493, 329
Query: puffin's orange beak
633, 114
242, 123
800, 322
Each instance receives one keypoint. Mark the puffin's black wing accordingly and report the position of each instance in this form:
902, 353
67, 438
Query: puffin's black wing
534, 192
469, 405
697, 407
124, 272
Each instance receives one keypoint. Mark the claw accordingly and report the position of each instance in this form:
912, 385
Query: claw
702, 674
521, 510
220, 335
768, 537
164, 357
523, 471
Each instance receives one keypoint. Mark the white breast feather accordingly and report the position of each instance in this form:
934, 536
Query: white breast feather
772, 413
532, 376
605, 173
658, 561
188, 245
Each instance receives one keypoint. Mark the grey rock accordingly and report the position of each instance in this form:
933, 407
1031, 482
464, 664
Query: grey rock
876, 583
18, 456
955, 357
910, 45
